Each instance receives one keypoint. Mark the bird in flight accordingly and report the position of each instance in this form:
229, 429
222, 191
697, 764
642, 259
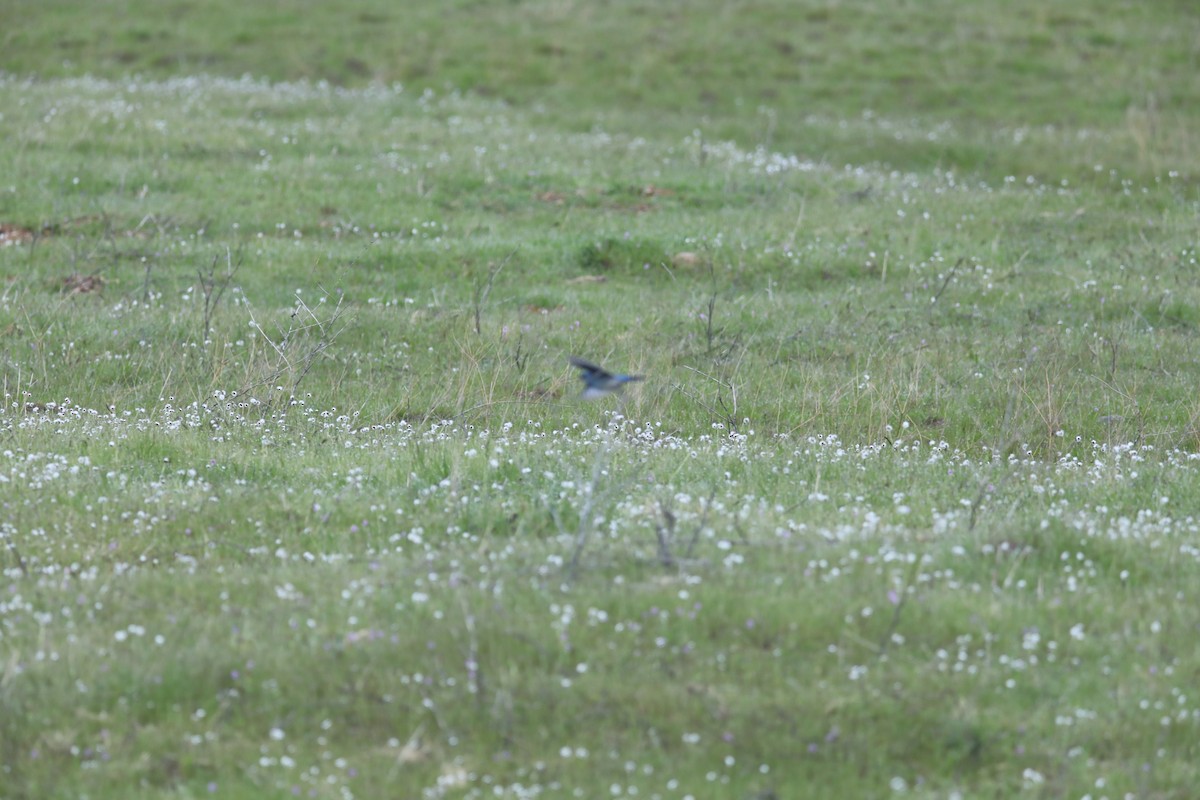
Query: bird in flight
599, 382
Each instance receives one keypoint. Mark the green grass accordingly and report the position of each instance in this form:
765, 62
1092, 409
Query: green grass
299, 499
1113, 77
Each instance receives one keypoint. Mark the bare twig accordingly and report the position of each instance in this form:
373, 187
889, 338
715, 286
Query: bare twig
482, 290
710, 331
212, 286
727, 411
946, 282
328, 330
303, 324
520, 357
665, 532
700, 525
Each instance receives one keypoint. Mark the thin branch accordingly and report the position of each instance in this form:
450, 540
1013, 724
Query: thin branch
665, 533
483, 290
946, 282
700, 525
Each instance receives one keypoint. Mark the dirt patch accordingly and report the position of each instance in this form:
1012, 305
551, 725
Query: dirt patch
82, 284
14, 234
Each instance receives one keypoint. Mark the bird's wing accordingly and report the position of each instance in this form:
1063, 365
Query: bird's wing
590, 368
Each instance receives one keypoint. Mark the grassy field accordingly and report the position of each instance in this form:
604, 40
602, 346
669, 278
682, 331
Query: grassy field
299, 499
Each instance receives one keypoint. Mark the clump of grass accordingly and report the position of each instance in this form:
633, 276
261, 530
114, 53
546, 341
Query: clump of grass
622, 256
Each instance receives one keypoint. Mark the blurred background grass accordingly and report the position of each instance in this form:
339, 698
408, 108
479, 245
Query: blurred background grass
746, 70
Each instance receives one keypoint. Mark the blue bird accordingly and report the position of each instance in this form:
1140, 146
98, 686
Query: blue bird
599, 382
